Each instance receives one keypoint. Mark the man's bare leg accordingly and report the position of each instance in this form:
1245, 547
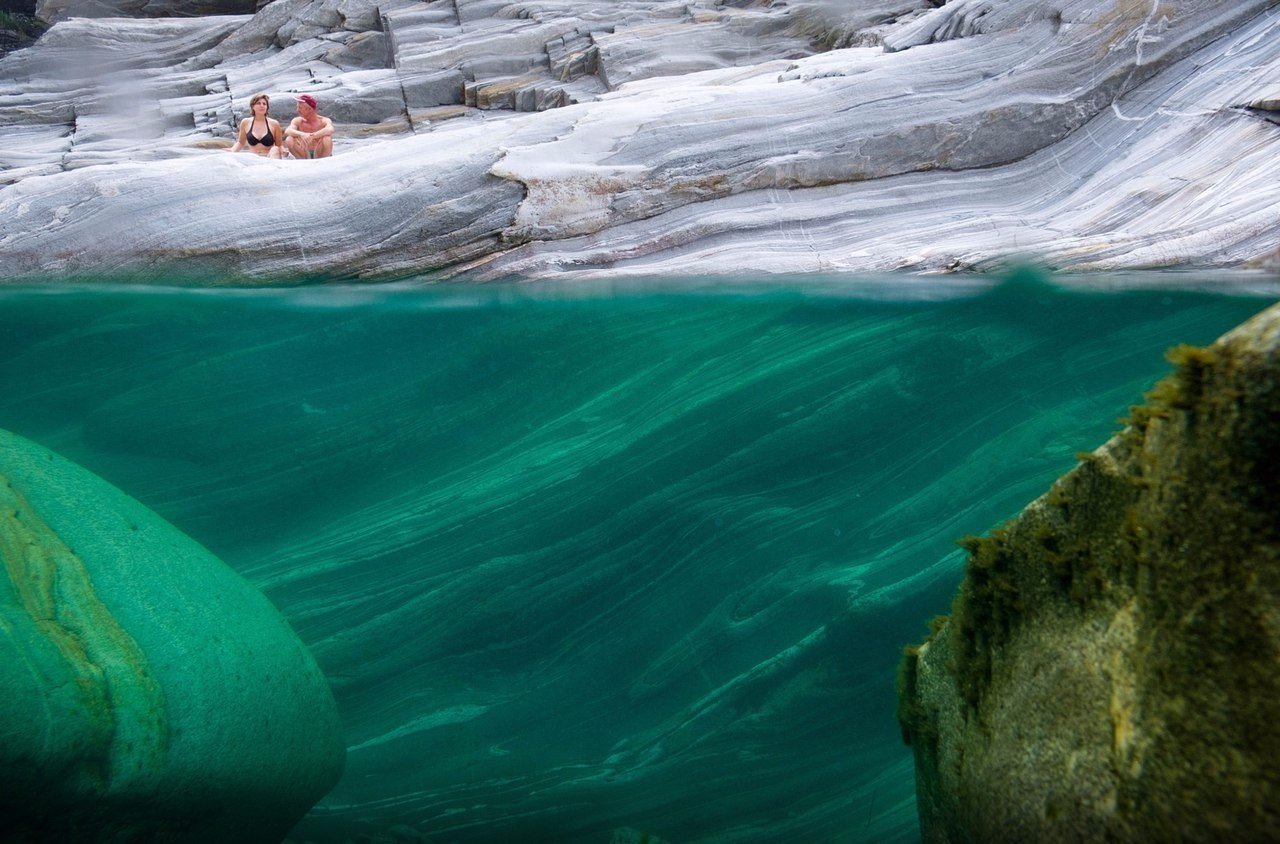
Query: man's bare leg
324, 147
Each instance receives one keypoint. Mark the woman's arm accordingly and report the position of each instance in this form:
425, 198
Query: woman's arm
278, 148
240, 141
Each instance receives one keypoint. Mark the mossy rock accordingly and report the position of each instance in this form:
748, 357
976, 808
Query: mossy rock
21, 26
150, 693
1110, 667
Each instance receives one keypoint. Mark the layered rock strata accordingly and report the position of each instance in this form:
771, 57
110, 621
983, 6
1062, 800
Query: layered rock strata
1108, 671
712, 137
150, 692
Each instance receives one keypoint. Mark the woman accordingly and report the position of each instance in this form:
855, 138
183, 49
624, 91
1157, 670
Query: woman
259, 133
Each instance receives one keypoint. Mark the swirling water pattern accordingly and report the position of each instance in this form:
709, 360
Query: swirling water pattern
579, 561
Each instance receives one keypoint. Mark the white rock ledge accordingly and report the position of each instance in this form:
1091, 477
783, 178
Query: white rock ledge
1087, 135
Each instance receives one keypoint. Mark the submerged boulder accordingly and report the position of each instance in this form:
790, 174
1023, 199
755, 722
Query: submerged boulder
150, 693
1109, 670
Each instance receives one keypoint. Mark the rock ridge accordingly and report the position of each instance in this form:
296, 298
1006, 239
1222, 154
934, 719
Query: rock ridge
1108, 669
710, 136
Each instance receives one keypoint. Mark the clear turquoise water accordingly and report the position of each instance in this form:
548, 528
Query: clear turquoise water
576, 558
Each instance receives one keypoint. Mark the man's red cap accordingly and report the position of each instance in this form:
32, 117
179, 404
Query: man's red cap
306, 98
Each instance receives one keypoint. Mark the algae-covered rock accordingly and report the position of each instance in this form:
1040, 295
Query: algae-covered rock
150, 693
1110, 667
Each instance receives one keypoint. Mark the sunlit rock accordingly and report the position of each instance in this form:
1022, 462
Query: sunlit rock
150, 693
647, 134
709, 40
60, 10
1108, 671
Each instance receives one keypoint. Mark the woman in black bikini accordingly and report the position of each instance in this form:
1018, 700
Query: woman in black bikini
259, 133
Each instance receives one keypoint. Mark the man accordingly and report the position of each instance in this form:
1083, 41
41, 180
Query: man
309, 135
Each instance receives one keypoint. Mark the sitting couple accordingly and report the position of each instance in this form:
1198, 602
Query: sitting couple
309, 134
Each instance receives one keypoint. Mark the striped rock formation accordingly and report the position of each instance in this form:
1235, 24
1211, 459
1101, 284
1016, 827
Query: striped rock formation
494, 139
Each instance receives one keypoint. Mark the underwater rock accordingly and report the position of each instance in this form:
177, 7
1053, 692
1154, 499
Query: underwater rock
628, 835
1109, 668
150, 692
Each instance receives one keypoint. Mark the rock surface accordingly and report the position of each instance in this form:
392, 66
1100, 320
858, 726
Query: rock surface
149, 691
1109, 669
703, 136
60, 10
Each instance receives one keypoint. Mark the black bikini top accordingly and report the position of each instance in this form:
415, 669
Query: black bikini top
266, 140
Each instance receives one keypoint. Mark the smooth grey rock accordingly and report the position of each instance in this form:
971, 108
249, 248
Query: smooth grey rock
60, 10
358, 15
366, 50
104, 89
34, 150
705, 41
425, 90
259, 33
87, 49
1148, 160
367, 96
835, 23
149, 690
445, 209
765, 166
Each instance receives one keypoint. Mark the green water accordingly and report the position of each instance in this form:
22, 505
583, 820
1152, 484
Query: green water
577, 558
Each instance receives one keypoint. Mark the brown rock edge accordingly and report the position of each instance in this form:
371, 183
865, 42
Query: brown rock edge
1110, 670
